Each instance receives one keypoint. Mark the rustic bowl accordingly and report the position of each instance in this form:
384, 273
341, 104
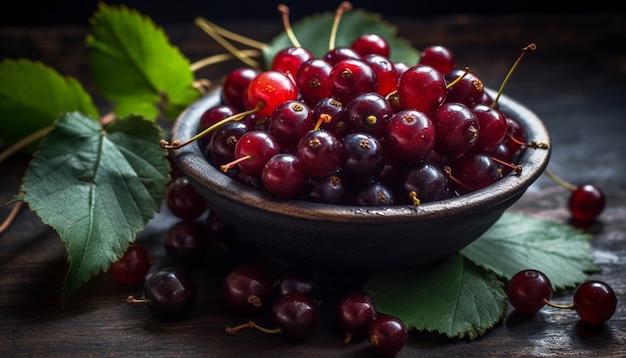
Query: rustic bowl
351, 239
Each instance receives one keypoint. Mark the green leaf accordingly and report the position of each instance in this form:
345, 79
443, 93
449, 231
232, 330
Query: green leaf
134, 65
313, 33
455, 298
518, 242
32, 95
97, 187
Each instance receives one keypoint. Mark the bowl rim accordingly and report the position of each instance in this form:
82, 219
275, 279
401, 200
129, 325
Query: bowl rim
205, 176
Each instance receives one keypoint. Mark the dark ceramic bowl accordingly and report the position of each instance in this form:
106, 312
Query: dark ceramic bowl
351, 239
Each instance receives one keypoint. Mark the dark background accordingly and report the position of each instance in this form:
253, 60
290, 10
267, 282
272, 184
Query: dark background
30, 13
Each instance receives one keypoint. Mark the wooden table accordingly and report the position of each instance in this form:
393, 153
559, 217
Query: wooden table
574, 81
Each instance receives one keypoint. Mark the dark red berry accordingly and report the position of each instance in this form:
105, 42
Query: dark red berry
133, 266
586, 203
528, 291
595, 301
388, 334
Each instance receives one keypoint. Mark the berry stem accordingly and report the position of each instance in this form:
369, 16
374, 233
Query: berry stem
532, 144
517, 168
343, 7
560, 181
323, 118
208, 27
221, 58
284, 11
231, 35
458, 78
525, 50
448, 172
555, 305
176, 144
251, 324
132, 299
224, 168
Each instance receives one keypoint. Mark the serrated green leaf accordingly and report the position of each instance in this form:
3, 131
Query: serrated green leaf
135, 66
33, 95
518, 242
455, 298
97, 187
313, 33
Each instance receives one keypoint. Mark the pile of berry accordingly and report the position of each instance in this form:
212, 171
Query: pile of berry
290, 296
355, 128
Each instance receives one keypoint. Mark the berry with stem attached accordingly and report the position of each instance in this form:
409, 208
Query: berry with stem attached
253, 149
247, 289
586, 202
296, 315
595, 302
529, 290
170, 294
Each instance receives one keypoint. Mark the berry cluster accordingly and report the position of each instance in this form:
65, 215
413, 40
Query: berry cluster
293, 305
530, 290
354, 127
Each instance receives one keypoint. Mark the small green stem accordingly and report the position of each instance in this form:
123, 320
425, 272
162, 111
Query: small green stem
344, 6
525, 50
176, 144
221, 58
560, 181
555, 305
209, 28
232, 35
251, 324
284, 11
458, 78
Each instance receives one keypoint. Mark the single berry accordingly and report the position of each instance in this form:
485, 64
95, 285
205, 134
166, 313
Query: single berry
388, 334
289, 59
170, 294
247, 289
132, 267
183, 200
586, 203
282, 176
421, 88
235, 86
186, 242
371, 43
296, 314
439, 57
355, 312
529, 290
595, 301
269, 89
351, 77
